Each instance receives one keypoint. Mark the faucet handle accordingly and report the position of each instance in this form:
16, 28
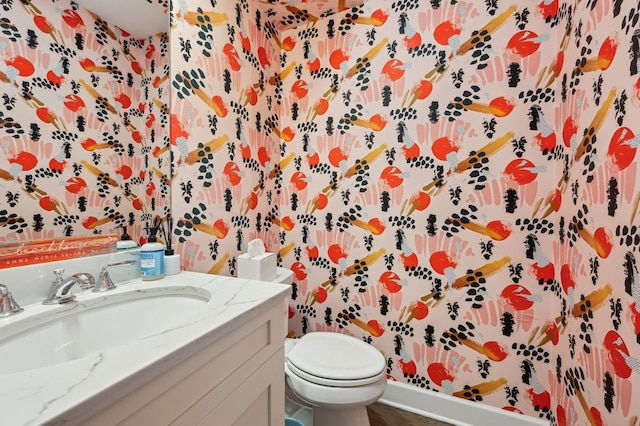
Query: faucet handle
85, 280
8, 305
58, 272
105, 282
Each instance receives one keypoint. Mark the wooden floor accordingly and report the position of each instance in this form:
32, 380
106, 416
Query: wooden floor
385, 415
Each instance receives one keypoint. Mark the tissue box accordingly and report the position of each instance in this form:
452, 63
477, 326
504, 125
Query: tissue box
261, 267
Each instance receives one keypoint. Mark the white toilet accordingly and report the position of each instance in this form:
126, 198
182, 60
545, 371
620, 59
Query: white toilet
336, 374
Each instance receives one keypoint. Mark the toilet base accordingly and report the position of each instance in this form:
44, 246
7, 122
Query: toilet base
356, 416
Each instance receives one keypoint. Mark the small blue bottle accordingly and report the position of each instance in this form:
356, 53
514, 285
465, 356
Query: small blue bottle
152, 259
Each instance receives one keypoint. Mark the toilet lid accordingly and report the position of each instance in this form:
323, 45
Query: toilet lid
336, 357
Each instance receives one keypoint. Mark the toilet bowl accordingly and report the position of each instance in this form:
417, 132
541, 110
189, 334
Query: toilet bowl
336, 374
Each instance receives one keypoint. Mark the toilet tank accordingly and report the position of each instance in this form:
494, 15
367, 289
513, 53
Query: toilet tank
285, 276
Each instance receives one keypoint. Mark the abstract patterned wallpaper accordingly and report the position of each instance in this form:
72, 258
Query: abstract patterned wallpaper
451, 181
84, 118
223, 132
454, 182
423, 222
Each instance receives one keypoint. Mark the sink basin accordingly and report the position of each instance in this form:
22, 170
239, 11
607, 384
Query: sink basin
82, 328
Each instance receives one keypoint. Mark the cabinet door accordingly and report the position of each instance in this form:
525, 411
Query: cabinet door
258, 401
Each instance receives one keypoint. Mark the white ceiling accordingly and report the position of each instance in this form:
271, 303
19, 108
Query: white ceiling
138, 17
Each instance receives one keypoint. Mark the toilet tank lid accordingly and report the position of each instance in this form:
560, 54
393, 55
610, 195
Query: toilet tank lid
336, 356
283, 275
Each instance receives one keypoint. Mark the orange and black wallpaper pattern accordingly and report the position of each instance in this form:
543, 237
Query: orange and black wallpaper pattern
83, 123
454, 182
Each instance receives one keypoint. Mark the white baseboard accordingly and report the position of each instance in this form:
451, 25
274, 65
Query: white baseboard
451, 409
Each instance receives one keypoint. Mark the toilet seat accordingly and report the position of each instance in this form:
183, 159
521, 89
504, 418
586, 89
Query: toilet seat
337, 360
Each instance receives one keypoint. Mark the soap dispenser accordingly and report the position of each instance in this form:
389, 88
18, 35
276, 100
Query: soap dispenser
152, 256
125, 242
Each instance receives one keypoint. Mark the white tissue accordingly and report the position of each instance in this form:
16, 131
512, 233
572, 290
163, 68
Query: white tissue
255, 248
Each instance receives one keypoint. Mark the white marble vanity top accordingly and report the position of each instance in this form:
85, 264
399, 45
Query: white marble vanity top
67, 392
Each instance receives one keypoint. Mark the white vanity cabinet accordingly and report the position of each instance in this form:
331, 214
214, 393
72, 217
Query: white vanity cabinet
220, 364
236, 380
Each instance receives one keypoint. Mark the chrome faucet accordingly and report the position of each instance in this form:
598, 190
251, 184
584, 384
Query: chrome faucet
60, 291
8, 305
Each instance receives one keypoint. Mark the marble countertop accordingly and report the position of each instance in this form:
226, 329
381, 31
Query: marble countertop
68, 392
